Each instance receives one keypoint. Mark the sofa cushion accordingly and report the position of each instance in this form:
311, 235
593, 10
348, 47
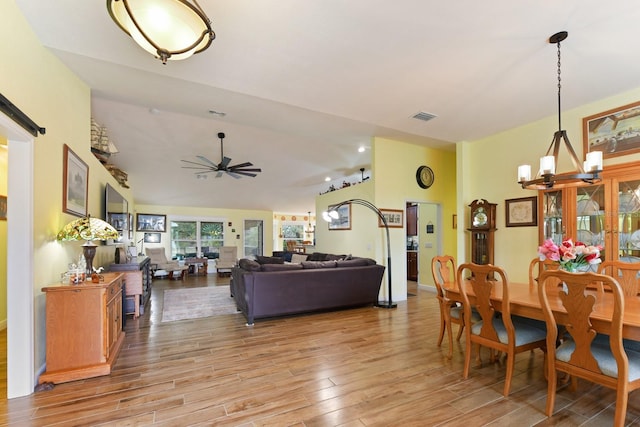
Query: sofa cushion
280, 267
298, 258
317, 256
249, 264
318, 264
357, 262
269, 260
332, 257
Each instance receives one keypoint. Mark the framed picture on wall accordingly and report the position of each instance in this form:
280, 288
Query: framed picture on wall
151, 222
615, 132
522, 212
75, 183
343, 222
394, 217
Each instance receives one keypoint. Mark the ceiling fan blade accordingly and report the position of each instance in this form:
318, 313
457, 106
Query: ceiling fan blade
195, 163
246, 170
242, 172
224, 163
207, 161
233, 174
219, 174
241, 165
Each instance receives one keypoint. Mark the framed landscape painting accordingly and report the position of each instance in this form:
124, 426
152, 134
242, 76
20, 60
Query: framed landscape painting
615, 132
151, 222
75, 183
344, 219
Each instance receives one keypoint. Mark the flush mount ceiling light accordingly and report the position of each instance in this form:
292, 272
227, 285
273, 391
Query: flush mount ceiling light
168, 29
589, 172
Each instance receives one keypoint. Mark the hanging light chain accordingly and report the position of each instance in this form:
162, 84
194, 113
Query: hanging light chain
559, 88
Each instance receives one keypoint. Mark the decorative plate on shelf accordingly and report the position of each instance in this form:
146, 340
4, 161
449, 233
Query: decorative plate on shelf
585, 236
634, 240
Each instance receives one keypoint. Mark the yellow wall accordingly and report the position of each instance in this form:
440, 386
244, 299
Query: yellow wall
489, 172
392, 184
44, 89
3, 237
236, 217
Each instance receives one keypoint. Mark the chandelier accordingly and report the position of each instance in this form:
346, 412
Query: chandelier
168, 29
587, 172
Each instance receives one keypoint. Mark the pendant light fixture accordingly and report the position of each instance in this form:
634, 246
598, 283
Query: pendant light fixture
168, 29
589, 172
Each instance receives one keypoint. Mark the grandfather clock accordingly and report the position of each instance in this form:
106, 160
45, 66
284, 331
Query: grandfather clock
482, 228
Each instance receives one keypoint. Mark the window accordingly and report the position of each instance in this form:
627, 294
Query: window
193, 238
292, 232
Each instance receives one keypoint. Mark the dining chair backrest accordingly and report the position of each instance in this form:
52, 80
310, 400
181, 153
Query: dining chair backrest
568, 299
626, 273
501, 333
443, 269
537, 266
486, 281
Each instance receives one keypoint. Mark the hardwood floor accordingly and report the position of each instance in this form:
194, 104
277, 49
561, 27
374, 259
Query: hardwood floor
359, 367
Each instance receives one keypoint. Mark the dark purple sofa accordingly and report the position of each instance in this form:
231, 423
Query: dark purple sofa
270, 290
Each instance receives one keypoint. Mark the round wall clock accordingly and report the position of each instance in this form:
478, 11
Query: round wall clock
425, 176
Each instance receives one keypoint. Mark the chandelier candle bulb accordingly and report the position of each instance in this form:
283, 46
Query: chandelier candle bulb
524, 173
594, 161
547, 165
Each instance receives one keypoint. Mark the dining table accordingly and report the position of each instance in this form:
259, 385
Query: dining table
525, 302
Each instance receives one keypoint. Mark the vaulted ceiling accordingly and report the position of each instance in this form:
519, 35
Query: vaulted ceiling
304, 84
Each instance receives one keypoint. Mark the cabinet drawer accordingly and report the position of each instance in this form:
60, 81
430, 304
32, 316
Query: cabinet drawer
114, 289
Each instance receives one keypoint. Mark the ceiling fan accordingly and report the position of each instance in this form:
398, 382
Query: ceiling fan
236, 171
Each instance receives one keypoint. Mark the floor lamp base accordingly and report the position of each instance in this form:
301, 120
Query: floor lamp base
386, 304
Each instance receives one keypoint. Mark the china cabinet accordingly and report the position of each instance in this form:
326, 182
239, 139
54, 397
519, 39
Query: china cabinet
605, 214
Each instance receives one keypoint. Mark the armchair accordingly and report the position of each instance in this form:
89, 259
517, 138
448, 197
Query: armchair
227, 260
159, 261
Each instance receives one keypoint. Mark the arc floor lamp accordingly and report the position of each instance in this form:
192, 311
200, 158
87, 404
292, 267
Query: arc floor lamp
333, 214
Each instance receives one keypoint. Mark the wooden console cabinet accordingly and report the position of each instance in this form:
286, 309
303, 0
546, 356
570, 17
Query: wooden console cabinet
137, 278
84, 329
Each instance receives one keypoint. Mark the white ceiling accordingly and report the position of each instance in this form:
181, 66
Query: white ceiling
305, 83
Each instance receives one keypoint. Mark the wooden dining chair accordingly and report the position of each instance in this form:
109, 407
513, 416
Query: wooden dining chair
443, 269
585, 353
537, 266
479, 285
626, 273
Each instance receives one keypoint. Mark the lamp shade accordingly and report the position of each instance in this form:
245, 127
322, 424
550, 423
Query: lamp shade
87, 228
168, 29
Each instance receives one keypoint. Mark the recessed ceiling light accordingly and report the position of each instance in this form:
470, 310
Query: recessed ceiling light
154, 111
361, 150
327, 179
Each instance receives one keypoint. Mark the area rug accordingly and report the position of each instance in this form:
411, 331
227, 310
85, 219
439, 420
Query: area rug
195, 303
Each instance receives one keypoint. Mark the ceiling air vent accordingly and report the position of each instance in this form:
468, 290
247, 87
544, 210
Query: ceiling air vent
424, 116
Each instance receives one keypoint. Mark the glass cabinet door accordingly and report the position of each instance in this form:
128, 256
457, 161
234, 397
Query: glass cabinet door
553, 227
590, 217
628, 226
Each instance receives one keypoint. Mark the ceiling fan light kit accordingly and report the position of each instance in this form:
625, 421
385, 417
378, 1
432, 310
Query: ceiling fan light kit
168, 29
207, 166
587, 172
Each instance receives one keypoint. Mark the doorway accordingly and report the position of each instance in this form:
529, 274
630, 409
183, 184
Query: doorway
20, 300
424, 239
253, 237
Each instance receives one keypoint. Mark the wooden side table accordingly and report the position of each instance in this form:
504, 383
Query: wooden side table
197, 265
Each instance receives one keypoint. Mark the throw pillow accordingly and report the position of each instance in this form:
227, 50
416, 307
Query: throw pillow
298, 258
317, 256
318, 264
249, 264
280, 267
269, 260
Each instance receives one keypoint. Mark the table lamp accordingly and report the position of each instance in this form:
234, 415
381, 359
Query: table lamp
89, 229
